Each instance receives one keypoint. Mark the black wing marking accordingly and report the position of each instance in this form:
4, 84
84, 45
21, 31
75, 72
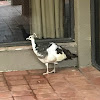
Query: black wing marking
69, 54
59, 50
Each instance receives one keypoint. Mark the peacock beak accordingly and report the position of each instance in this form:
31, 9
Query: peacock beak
27, 39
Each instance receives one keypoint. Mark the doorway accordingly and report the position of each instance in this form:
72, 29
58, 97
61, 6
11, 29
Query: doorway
95, 23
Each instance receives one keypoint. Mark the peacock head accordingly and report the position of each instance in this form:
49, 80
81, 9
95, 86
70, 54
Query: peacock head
31, 37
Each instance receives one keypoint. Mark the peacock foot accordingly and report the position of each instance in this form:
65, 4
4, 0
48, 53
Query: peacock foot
53, 71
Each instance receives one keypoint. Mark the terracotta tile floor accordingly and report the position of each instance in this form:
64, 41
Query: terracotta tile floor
66, 84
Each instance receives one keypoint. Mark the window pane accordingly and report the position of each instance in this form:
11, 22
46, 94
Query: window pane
50, 19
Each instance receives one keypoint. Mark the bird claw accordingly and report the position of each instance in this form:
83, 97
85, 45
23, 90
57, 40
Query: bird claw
45, 73
53, 71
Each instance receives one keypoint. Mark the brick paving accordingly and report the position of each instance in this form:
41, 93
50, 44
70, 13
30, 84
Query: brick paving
66, 84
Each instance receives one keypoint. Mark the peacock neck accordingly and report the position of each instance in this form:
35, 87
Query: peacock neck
33, 44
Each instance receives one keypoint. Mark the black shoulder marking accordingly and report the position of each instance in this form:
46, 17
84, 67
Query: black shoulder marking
59, 51
36, 45
49, 45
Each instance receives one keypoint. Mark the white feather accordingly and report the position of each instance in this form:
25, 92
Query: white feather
52, 51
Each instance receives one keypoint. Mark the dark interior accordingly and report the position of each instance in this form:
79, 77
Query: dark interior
97, 30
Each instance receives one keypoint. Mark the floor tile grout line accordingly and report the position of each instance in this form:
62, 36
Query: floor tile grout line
89, 80
84, 75
8, 86
73, 86
51, 87
6, 82
30, 86
13, 97
15, 85
86, 79
27, 72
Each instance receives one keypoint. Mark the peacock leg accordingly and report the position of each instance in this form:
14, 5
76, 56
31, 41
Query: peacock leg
47, 69
54, 70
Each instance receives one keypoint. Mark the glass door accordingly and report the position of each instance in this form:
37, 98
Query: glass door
95, 23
